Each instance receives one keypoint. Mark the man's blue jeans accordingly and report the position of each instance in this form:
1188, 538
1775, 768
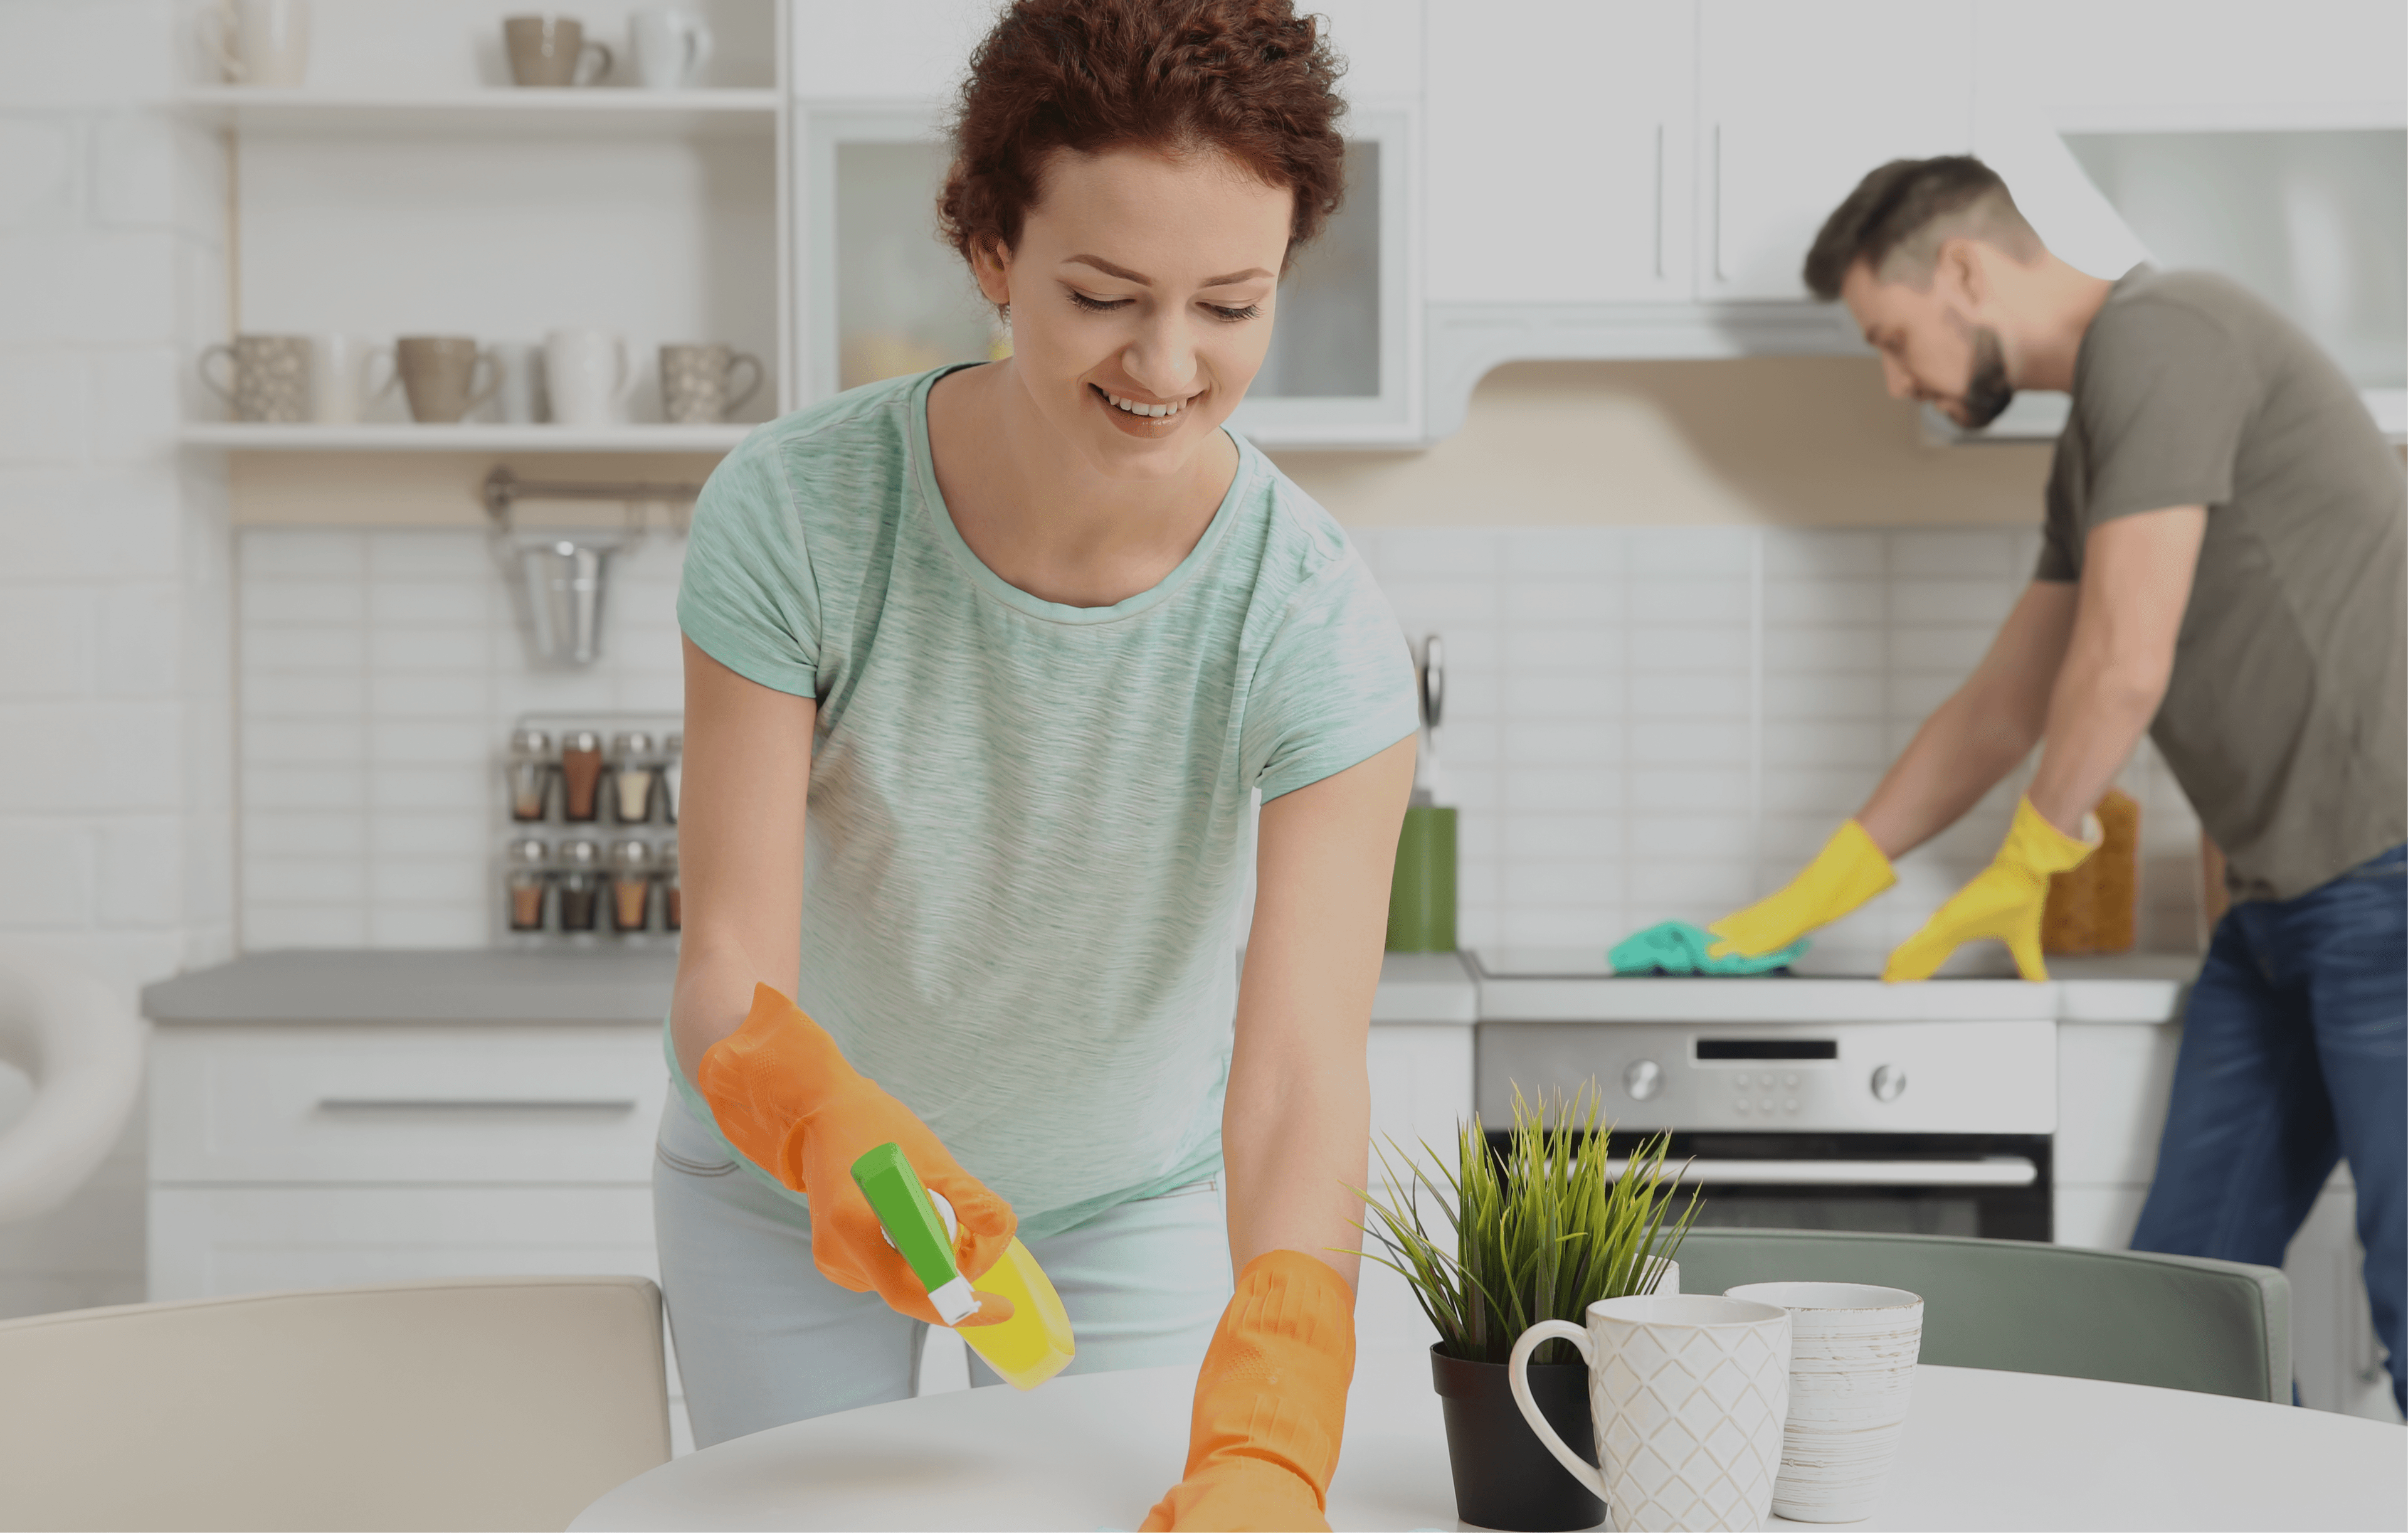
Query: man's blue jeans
2295, 1057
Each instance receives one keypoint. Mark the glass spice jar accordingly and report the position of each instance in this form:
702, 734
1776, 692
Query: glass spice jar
632, 771
580, 886
672, 771
529, 773
631, 885
672, 897
581, 775
526, 882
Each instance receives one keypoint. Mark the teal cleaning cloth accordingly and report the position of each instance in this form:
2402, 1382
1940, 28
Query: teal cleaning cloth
1675, 947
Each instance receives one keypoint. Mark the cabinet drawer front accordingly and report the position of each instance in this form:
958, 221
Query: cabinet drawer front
414, 1105
212, 1240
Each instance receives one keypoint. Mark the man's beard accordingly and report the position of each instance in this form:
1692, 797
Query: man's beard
1987, 393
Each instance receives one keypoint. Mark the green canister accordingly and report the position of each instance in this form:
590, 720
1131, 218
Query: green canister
1421, 896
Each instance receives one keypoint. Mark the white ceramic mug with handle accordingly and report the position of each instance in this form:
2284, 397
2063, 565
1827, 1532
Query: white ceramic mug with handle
586, 374
259, 42
1851, 1377
670, 46
1688, 1394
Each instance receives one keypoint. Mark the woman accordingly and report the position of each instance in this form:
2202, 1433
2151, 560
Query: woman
1025, 639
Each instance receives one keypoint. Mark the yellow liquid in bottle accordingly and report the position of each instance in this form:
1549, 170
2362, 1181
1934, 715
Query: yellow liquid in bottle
1035, 1344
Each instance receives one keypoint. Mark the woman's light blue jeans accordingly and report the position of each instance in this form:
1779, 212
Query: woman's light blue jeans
763, 1340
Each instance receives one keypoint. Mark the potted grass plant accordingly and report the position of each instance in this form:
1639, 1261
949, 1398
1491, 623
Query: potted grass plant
1540, 1232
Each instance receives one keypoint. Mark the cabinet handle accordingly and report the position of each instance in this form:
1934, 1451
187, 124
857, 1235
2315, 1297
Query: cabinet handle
1993, 1171
1719, 277
1659, 202
476, 1104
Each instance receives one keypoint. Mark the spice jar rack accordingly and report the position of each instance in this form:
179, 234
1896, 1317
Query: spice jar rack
589, 830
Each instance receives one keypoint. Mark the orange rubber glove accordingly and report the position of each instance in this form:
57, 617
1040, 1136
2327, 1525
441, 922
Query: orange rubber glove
1848, 871
2004, 901
1270, 1403
787, 1100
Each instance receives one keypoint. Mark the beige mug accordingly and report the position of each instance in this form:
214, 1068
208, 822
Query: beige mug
698, 381
270, 377
439, 375
1852, 1356
259, 42
552, 50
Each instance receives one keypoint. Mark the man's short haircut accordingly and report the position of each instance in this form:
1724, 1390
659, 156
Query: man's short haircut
1898, 215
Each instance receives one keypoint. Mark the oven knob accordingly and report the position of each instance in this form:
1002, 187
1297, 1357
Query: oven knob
1888, 1080
1642, 1080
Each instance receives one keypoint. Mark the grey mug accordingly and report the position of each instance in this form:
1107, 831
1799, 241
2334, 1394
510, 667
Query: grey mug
439, 375
698, 381
269, 377
552, 50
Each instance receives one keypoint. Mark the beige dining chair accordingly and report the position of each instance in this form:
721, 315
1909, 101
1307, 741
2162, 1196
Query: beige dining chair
2022, 1306
457, 1403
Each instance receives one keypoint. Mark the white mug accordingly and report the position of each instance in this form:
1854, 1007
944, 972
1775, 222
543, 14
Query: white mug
669, 45
1851, 1377
1689, 1396
259, 42
339, 372
587, 376
520, 399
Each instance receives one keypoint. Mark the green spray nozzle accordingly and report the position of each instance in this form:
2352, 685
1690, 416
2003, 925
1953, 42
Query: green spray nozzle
900, 1200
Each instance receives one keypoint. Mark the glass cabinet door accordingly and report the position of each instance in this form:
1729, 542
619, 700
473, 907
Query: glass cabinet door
882, 297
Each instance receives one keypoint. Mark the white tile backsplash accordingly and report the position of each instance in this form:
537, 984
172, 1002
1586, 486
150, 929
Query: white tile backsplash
1726, 696
1642, 723
380, 671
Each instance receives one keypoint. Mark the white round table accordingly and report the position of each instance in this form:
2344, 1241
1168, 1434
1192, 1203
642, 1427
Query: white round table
1982, 1450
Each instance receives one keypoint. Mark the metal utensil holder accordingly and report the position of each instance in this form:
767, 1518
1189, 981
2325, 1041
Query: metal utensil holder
557, 578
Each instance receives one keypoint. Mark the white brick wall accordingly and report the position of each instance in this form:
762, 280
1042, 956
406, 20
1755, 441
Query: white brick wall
116, 829
1656, 723
381, 673
1642, 723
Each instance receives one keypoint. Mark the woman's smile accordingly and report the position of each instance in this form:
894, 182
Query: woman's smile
1145, 418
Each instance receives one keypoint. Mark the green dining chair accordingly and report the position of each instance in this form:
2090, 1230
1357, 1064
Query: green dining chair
2128, 1316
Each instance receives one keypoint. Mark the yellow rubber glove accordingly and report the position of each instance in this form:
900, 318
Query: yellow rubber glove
787, 1099
1848, 871
1270, 1403
2004, 901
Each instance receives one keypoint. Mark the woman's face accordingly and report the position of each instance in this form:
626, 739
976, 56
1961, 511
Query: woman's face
1141, 294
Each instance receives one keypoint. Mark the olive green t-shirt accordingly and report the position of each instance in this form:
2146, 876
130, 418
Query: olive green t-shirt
2285, 720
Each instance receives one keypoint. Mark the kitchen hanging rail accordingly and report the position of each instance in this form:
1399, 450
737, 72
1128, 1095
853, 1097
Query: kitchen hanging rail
503, 490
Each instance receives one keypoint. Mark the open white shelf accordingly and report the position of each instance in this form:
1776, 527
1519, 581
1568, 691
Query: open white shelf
468, 437
601, 111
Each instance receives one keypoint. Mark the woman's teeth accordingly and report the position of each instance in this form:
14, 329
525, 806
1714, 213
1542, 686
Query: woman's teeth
1157, 411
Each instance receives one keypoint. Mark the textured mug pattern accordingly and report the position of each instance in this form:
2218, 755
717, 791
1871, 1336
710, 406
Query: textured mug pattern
1689, 1419
698, 383
1853, 1354
271, 377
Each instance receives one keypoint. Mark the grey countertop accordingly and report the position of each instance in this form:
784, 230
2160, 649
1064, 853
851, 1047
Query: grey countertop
490, 985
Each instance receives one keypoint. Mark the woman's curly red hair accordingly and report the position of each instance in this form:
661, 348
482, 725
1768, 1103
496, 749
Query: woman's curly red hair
1250, 79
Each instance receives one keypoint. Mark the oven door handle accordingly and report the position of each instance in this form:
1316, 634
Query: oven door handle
1990, 1171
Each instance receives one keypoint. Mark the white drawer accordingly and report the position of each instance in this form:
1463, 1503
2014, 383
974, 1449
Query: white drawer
210, 1240
1421, 1094
405, 1104
2113, 1084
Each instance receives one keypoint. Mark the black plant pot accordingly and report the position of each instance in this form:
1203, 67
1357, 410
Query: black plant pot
1504, 1476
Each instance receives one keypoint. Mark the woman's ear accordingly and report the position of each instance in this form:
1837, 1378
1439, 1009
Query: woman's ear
991, 265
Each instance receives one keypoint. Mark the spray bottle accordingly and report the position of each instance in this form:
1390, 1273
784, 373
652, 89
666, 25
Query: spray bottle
1035, 1344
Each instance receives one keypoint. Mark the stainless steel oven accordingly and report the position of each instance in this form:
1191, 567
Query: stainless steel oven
1797, 1103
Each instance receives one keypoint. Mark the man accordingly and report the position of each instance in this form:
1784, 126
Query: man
2224, 566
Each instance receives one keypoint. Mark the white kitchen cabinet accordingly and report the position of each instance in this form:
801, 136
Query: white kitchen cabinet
1421, 1090
1796, 102
1561, 173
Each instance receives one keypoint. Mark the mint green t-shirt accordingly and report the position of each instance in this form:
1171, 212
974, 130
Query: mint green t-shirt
1028, 833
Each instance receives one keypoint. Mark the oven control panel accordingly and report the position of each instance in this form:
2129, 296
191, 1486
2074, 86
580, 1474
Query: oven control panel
1873, 1077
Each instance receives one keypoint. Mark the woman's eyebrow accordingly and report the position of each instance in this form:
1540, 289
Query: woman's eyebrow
1108, 269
